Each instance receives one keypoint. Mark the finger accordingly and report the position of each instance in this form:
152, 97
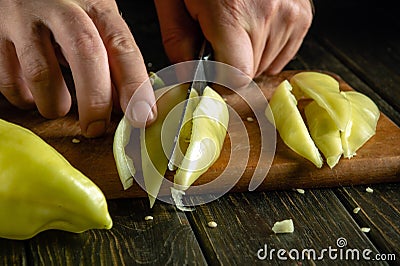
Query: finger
83, 48
12, 85
128, 70
181, 36
287, 53
231, 45
294, 25
277, 39
41, 71
116, 105
259, 39
180, 33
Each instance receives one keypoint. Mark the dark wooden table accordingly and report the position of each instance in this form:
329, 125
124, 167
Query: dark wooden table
359, 43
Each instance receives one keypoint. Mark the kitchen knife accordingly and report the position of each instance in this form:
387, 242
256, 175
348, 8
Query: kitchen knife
199, 83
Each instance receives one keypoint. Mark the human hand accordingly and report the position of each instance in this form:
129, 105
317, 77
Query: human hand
99, 48
251, 35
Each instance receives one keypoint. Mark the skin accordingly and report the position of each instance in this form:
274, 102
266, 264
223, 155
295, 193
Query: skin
106, 64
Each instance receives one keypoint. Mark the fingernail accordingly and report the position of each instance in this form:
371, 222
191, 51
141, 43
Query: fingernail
141, 112
96, 129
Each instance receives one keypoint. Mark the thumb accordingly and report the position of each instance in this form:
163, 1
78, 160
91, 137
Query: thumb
180, 33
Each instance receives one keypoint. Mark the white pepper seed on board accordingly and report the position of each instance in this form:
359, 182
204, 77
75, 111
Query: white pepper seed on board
148, 218
365, 229
212, 224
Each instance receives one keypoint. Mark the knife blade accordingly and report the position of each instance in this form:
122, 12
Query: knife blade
198, 84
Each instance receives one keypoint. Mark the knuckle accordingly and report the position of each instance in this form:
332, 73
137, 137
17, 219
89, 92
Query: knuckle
98, 101
8, 84
37, 72
101, 105
86, 45
120, 43
8, 80
297, 15
32, 66
116, 36
100, 11
271, 8
11, 88
171, 40
84, 40
292, 16
96, 107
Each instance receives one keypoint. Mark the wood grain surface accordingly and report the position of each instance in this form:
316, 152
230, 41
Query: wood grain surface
166, 240
378, 211
376, 162
245, 221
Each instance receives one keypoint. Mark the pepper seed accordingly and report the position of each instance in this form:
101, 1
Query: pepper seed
212, 224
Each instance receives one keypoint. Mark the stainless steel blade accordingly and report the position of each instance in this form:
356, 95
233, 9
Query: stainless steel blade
199, 83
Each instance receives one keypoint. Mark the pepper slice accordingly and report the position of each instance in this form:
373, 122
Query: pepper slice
324, 132
40, 190
339, 122
325, 91
200, 140
364, 118
154, 140
126, 169
290, 124
210, 122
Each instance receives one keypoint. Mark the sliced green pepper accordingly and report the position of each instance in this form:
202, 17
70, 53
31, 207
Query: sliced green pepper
200, 140
210, 122
362, 126
339, 122
153, 142
325, 91
324, 132
290, 124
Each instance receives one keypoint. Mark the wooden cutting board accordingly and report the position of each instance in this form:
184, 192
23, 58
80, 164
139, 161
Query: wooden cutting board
377, 161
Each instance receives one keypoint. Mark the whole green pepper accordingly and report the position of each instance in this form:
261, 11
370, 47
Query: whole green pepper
40, 190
